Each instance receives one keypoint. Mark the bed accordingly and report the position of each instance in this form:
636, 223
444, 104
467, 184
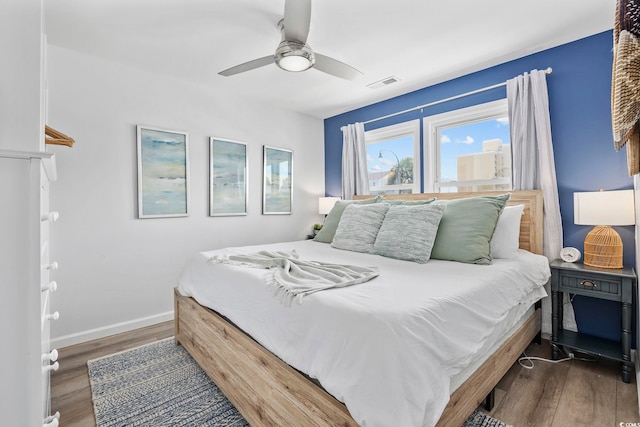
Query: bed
268, 391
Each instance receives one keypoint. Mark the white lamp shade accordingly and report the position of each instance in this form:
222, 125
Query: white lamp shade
325, 204
604, 208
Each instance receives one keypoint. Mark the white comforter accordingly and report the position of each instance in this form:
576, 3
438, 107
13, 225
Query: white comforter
386, 348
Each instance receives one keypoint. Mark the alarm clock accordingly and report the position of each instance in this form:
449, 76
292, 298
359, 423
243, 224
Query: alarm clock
570, 254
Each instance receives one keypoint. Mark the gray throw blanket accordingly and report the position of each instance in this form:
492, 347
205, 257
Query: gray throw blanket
293, 278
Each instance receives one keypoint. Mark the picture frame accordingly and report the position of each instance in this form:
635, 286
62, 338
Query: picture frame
277, 181
163, 172
228, 177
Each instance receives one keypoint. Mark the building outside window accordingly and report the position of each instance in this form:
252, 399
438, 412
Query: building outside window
492, 163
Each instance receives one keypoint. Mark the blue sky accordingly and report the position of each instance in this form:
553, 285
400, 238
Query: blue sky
454, 141
402, 147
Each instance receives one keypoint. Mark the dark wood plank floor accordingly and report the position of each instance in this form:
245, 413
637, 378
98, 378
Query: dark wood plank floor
574, 393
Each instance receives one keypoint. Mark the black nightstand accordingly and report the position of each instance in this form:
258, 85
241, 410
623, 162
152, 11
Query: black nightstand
603, 283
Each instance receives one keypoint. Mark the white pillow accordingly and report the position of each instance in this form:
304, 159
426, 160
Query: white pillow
506, 237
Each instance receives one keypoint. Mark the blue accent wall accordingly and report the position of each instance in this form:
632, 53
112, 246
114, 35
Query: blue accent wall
580, 109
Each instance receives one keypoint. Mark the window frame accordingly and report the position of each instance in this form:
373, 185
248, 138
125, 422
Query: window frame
399, 130
431, 144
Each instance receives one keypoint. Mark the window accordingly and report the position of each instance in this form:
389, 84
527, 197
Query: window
468, 149
393, 158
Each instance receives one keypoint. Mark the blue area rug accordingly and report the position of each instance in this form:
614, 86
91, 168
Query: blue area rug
159, 384
479, 419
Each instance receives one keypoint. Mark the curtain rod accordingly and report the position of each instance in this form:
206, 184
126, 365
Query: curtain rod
462, 95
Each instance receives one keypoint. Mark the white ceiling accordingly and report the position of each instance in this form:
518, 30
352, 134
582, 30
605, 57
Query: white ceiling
421, 42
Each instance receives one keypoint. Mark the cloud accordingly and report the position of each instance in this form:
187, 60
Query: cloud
503, 121
376, 168
468, 140
444, 139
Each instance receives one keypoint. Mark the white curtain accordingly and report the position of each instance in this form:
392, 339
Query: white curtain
355, 179
534, 167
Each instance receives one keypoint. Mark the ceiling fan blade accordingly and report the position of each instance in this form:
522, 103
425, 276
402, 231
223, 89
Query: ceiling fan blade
248, 66
335, 68
297, 17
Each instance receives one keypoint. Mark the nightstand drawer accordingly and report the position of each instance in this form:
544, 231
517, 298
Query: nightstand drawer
571, 284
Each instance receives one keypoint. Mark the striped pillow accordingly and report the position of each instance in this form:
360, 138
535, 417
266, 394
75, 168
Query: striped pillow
408, 232
359, 227
328, 230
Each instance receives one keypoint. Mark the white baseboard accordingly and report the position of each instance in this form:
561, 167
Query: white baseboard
105, 331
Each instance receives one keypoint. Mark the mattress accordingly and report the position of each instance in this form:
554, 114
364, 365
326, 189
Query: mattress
499, 334
391, 349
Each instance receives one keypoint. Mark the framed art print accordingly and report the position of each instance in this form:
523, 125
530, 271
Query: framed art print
163, 173
277, 181
227, 177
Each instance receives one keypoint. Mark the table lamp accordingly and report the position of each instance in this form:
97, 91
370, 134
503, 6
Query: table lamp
602, 209
325, 204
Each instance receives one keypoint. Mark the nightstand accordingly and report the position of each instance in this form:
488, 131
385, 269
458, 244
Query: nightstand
602, 283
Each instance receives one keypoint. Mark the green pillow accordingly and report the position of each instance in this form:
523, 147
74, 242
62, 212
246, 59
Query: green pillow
466, 229
405, 202
328, 230
408, 232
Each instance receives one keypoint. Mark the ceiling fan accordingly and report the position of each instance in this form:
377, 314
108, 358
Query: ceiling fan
293, 52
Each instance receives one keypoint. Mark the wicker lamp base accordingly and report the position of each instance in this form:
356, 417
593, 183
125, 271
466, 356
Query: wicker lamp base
603, 248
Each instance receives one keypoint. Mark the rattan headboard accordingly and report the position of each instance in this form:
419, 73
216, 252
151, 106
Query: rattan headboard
530, 226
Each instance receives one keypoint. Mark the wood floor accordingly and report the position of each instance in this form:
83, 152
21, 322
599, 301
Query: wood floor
569, 394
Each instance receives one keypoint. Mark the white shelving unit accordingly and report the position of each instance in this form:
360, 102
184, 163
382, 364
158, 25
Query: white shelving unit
26, 277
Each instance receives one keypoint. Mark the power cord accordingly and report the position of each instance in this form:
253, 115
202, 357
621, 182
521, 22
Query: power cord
530, 359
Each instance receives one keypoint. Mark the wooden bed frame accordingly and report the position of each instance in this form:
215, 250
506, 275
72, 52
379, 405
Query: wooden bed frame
268, 392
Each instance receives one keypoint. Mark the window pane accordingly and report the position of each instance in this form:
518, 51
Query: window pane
390, 163
477, 151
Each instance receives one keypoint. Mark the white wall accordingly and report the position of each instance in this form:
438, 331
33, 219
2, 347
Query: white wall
117, 272
21, 29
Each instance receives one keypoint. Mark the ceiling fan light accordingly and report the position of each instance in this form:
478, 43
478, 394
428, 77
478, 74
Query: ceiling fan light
294, 63
294, 56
